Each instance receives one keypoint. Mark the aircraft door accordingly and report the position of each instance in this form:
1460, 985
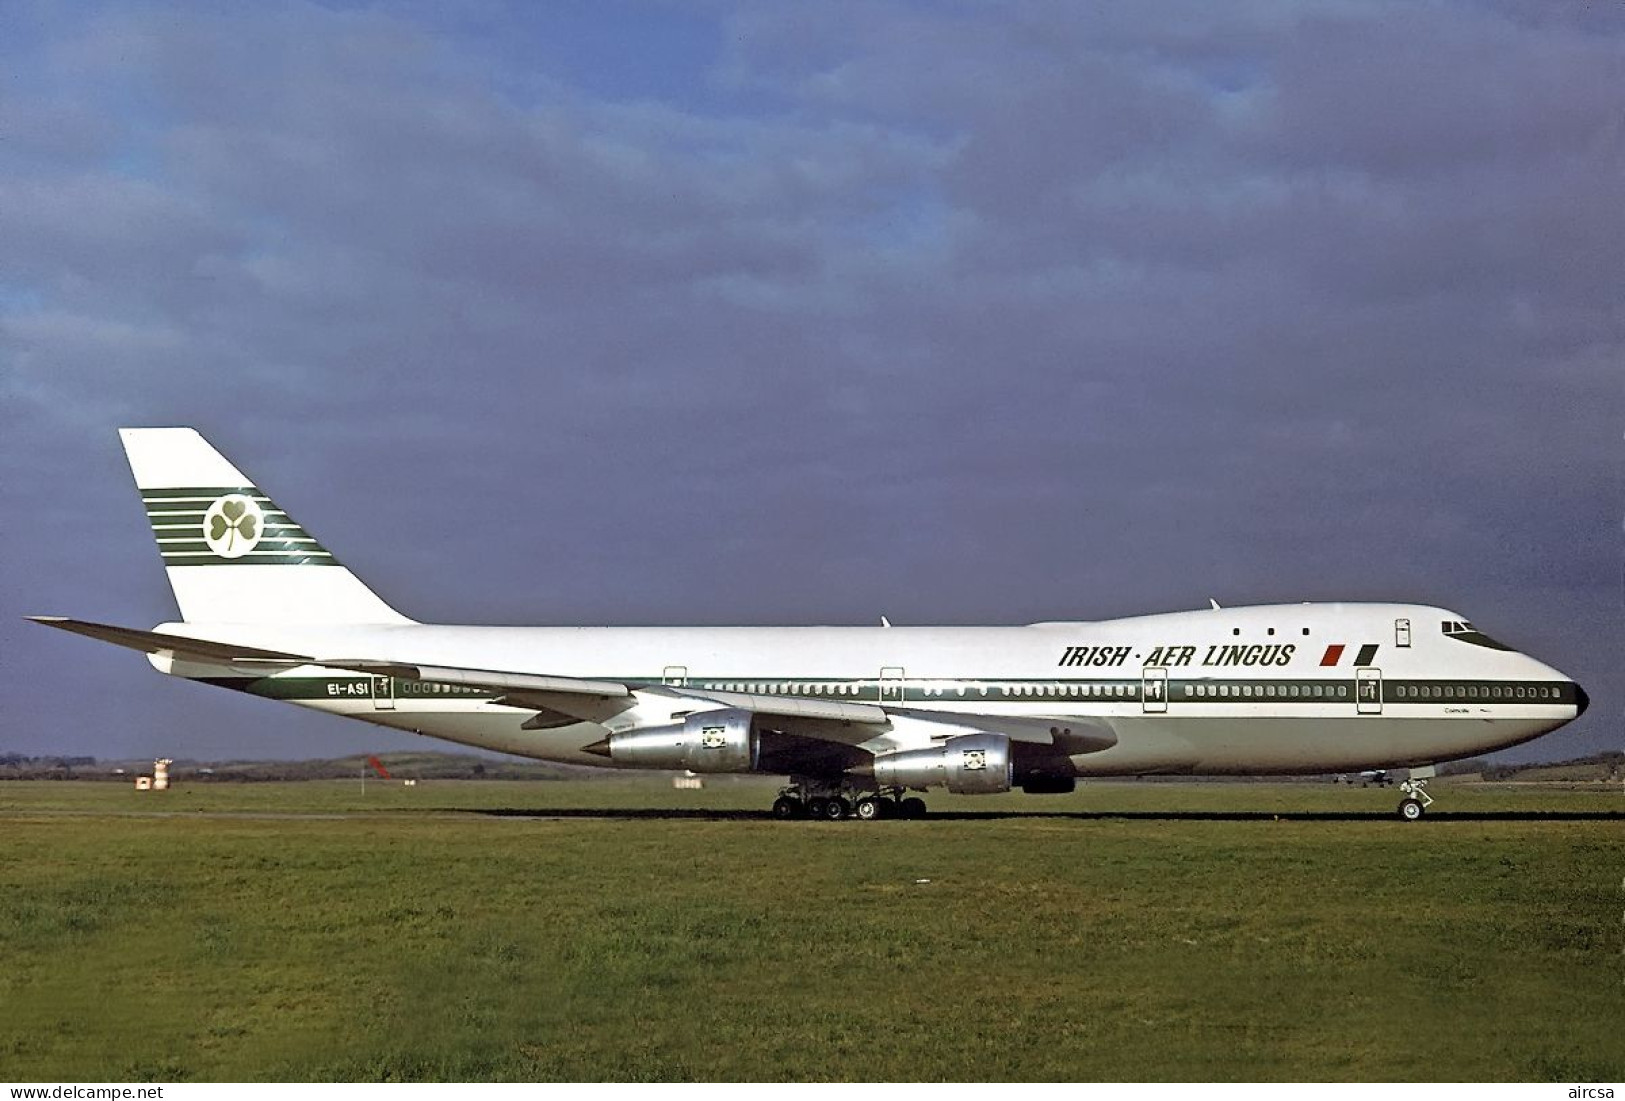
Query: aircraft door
891, 684
383, 693
1154, 690
675, 675
1368, 691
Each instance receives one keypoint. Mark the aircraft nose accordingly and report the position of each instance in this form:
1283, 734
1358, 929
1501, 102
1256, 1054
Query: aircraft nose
1581, 701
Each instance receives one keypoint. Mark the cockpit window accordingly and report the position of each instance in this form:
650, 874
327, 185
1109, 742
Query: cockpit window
1462, 631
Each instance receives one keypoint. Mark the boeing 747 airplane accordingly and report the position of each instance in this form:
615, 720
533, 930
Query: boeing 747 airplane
856, 718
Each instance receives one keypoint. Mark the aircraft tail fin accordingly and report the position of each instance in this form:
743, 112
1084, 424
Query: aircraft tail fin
231, 554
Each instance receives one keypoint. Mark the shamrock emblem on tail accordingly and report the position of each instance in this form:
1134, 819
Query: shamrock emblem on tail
233, 525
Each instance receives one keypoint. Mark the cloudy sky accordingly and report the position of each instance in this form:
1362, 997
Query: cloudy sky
804, 313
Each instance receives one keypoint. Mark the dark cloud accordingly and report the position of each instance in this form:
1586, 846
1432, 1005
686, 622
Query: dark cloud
813, 313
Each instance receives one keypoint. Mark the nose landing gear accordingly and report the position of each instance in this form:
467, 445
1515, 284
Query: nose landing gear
1416, 801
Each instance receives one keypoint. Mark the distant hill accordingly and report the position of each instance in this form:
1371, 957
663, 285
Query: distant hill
1609, 765
402, 766
1605, 766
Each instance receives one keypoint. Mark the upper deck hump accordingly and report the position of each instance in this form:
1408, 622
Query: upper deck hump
1265, 615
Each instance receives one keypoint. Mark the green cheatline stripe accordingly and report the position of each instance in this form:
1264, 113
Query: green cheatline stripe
211, 492
340, 688
354, 686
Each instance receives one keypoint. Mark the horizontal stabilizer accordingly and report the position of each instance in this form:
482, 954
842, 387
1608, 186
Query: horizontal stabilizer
156, 642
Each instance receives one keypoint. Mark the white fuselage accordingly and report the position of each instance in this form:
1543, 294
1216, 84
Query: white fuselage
1297, 688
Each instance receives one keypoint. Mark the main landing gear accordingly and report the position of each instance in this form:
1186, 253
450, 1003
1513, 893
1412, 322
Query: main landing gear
805, 798
1416, 801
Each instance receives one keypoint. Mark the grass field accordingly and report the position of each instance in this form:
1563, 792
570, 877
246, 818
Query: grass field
613, 930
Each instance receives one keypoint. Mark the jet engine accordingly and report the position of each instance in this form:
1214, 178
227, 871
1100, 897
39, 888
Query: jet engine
971, 764
707, 741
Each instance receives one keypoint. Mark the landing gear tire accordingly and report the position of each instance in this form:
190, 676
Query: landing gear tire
785, 808
816, 807
912, 807
1411, 810
836, 809
869, 809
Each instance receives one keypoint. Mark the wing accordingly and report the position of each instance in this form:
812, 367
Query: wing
559, 701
